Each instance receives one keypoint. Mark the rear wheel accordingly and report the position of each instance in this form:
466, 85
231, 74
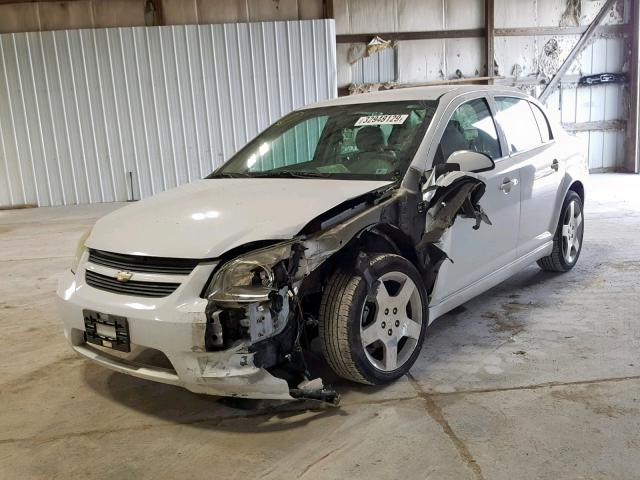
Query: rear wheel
374, 337
567, 242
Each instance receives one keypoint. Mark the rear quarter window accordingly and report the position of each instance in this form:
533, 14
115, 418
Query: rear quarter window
543, 123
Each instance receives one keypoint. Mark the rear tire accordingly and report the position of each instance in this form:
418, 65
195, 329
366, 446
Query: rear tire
374, 339
567, 241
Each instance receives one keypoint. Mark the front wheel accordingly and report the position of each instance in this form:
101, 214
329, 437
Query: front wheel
374, 337
567, 241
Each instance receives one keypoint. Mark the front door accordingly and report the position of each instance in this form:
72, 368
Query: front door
478, 253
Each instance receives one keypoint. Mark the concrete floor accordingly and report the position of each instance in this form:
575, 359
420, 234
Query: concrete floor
539, 378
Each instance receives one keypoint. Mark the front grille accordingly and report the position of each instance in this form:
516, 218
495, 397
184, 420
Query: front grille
136, 263
138, 289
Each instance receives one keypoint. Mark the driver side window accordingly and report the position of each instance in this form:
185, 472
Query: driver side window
471, 127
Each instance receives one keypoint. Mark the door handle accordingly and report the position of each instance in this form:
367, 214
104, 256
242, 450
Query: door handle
555, 165
507, 183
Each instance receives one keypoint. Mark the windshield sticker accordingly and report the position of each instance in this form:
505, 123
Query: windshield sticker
381, 120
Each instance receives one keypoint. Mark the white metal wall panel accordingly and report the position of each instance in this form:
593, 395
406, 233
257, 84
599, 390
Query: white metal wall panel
433, 60
85, 113
368, 16
378, 67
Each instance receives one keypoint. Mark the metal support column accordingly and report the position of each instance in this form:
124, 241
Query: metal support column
632, 157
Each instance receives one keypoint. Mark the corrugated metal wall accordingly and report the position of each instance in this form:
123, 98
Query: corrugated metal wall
103, 115
598, 103
525, 57
378, 67
415, 60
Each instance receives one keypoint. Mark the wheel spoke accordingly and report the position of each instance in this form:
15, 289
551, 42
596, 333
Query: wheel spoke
382, 295
576, 243
571, 210
391, 355
370, 334
578, 220
412, 329
404, 295
567, 255
565, 231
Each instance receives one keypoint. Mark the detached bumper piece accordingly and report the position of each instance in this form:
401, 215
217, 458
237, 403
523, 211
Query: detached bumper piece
315, 390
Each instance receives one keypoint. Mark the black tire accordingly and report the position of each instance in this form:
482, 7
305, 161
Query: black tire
556, 262
341, 317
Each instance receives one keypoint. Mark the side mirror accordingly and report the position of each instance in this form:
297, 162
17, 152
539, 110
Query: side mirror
470, 161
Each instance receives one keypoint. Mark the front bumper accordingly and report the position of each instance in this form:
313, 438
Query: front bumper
174, 325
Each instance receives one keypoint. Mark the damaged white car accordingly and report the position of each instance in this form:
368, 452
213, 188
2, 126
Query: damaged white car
341, 231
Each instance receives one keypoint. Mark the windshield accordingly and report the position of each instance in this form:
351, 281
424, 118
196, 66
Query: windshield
370, 141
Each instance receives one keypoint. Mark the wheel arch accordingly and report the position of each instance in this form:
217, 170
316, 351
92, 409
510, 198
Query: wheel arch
392, 237
372, 239
578, 187
570, 185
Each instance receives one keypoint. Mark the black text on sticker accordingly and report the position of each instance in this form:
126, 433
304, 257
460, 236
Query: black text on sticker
381, 120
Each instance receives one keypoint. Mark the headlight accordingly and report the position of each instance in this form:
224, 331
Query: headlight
251, 277
79, 251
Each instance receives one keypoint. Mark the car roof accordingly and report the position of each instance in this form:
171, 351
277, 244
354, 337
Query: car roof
413, 93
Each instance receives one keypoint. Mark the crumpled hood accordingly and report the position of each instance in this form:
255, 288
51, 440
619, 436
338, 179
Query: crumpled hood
208, 217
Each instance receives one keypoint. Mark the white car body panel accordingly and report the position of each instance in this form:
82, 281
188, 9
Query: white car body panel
210, 217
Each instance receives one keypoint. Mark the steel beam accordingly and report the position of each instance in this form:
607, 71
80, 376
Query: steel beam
632, 157
490, 39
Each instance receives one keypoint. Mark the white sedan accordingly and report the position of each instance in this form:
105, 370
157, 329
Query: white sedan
342, 230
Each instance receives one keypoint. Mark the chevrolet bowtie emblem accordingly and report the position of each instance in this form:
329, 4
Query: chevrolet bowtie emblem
124, 276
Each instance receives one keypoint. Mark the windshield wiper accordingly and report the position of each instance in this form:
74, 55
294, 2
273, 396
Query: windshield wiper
294, 174
230, 175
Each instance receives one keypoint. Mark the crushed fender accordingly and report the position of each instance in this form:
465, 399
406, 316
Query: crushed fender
276, 330
447, 196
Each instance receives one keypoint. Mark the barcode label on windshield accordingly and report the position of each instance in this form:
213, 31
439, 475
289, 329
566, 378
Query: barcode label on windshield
381, 120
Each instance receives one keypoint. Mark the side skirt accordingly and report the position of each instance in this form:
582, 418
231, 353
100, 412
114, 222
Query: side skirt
467, 293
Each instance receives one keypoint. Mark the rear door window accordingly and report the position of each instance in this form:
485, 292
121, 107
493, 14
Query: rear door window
518, 123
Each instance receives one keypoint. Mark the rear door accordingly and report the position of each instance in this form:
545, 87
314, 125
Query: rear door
530, 141
469, 125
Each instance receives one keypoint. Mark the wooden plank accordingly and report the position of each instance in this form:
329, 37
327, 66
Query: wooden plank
490, 39
343, 91
327, 8
582, 43
538, 31
453, 81
479, 32
602, 126
397, 36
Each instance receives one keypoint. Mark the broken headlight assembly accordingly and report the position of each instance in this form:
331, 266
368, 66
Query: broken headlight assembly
253, 276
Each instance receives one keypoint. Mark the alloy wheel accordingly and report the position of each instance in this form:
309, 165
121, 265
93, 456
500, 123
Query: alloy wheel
572, 230
391, 325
